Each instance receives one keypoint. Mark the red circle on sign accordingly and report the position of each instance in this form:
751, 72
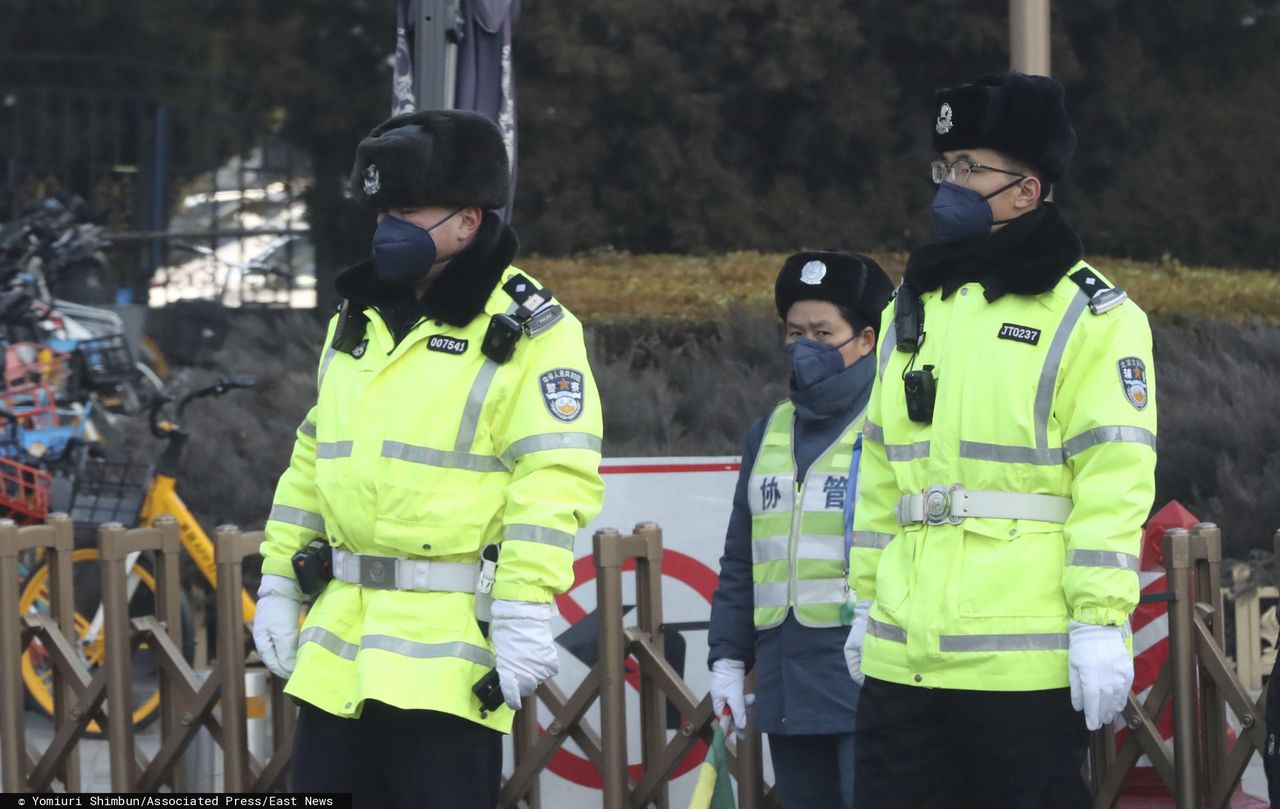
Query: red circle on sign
681, 567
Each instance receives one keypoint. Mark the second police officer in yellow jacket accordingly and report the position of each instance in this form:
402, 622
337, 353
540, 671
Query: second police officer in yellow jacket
1007, 468
455, 412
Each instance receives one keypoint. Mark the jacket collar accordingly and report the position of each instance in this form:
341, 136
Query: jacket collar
1028, 256
456, 297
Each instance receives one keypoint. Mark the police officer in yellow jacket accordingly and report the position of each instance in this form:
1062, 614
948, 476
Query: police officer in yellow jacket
456, 424
1007, 467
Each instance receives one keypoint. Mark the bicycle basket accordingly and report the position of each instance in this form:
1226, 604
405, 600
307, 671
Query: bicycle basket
108, 491
24, 492
106, 361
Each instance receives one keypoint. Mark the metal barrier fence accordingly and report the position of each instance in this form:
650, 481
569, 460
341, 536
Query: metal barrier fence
1199, 767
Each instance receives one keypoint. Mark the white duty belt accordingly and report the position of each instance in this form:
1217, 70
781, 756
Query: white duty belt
940, 505
394, 573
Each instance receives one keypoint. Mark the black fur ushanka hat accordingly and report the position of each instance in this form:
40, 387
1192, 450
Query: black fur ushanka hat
845, 279
444, 158
1022, 116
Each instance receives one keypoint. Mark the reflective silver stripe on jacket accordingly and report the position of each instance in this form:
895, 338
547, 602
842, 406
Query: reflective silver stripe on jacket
886, 347
297, 516
400, 646
307, 428
437, 457
978, 451
906, 452
1052, 361
885, 631
549, 441
475, 404
809, 546
324, 366
808, 592
539, 534
1107, 435
870, 539
1114, 559
821, 591
873, 431
334, 449
1024, 642
771, 594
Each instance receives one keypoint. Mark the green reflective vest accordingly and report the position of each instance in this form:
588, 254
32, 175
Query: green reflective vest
797, 529
981, 535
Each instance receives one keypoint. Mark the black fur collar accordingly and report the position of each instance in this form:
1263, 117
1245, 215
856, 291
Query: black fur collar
456, 297
1028, 256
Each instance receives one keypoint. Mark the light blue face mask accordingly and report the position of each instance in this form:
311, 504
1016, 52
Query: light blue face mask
962, 215
813, 362
404, 253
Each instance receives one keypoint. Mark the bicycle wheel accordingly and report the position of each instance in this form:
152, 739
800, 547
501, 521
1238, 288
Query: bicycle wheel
37, 670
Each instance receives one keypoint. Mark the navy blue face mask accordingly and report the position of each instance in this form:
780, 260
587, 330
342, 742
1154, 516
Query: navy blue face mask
404, 253
963, 215
813, 362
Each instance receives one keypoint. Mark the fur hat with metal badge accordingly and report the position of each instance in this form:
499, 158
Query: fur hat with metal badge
1022, 116
845, 279
439, 158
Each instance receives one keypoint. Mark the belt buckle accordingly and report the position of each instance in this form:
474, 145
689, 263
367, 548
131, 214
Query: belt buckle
937, 505
378, 572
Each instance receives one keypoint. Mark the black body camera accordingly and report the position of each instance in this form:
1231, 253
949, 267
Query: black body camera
313, 566
921, 390
501, 337
489, 691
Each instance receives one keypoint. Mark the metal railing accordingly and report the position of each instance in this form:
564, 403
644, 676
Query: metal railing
1200, 767
659, 683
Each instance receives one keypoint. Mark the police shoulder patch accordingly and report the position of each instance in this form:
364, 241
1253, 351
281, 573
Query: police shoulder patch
562, 393
1133, 377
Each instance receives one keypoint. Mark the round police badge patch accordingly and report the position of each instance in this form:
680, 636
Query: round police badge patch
562, 393
813, 272
1133, 376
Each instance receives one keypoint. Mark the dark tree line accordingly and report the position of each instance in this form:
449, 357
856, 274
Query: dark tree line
688, 126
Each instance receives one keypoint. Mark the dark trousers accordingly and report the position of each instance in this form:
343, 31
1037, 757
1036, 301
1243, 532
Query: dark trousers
931, 748
1271, 750
397, 759
813, 772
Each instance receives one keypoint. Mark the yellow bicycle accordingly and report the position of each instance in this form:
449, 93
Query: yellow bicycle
106, 491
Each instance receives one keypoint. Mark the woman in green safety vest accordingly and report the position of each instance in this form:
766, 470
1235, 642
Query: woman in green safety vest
781, 609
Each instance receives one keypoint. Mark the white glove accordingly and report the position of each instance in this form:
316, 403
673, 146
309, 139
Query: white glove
275, 623
526, 651
728, 683
1100, 670
853, 645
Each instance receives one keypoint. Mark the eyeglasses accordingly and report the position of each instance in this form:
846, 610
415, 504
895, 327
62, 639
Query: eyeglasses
958, 171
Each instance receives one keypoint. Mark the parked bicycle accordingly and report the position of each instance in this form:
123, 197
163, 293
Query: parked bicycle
120, 490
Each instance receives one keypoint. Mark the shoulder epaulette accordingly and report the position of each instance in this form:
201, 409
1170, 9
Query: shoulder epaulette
536, 309
1102, 296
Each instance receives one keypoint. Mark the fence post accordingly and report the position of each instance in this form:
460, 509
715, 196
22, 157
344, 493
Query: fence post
13, 732
1206, 542
750, 752
230, 548
612, 660
1177, 560
649, 617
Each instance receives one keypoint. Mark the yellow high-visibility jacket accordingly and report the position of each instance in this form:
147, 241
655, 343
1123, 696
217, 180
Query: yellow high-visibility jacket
429, 450
1036, 395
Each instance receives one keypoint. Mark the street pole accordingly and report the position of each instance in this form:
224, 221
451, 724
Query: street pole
1029, 36
437, 26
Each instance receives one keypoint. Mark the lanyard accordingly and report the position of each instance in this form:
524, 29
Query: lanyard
851, 490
